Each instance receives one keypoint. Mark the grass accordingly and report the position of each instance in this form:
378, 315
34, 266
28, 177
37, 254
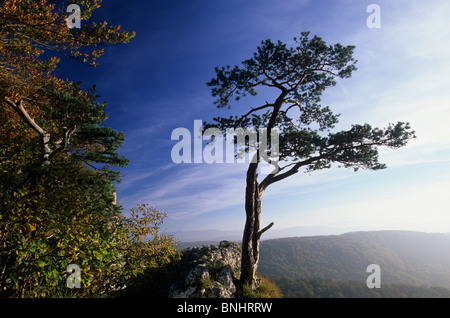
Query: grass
213, 269
267, 289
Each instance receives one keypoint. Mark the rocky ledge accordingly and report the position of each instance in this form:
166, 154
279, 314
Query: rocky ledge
209, 271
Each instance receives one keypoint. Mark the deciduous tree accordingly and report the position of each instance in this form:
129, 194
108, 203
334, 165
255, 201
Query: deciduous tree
58, 162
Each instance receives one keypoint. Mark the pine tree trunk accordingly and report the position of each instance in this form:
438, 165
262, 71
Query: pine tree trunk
252, 233
250, 251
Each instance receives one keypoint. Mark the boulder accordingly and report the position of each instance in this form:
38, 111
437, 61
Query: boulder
209, 271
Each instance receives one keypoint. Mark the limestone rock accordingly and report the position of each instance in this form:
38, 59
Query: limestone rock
209, 271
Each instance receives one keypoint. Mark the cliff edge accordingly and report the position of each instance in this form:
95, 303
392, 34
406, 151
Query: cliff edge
209, 271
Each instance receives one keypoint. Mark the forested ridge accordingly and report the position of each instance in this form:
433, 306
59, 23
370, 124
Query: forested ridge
413, 264
329, 288
404, 257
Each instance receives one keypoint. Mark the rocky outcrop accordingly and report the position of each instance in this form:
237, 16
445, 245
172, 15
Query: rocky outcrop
209, 271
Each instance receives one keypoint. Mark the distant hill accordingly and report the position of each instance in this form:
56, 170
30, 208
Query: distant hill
413, 264
207, 236
196, 237
405, 257
329, 288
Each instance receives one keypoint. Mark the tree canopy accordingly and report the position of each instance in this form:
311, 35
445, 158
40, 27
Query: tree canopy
301, 74
298, 76
59, 162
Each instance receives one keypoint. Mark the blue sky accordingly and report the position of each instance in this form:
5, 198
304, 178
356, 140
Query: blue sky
157, 83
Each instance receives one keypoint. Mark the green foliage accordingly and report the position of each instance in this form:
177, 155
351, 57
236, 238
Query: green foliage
58, 163
109, 249
307, 69
266, 289
329, 288
300, 75
58, 214
143, 246
410, 258
213, 269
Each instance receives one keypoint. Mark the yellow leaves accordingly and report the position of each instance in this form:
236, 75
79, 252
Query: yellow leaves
55, 223
42, 26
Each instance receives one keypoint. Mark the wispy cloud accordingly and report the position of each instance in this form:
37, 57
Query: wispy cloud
402, 76
192, 190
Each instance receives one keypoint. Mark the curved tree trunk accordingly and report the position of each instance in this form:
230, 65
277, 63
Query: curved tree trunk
252, 233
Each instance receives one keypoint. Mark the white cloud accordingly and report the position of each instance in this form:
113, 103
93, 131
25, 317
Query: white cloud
402, 76
195, 189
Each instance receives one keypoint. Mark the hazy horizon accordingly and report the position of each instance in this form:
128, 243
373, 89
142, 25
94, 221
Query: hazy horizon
296, 231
